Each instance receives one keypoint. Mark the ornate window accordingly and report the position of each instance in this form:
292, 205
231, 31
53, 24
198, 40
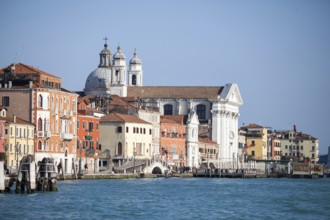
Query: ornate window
39, 124
168, 109
40, 101
39, 145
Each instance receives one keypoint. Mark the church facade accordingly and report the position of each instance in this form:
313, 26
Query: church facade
216, 108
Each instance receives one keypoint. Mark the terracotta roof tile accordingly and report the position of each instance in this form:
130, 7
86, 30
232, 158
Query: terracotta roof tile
21, 68
18, 120
175, 92
177, 119
117, 117
201, 140
251, 126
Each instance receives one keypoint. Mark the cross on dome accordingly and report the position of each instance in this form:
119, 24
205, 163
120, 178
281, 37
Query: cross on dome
105, 42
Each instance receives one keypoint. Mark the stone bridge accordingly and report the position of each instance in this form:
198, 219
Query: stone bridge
155, 168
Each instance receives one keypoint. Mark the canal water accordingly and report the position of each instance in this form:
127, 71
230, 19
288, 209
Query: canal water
175, 198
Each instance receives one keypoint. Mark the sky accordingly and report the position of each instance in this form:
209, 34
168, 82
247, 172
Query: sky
277, 52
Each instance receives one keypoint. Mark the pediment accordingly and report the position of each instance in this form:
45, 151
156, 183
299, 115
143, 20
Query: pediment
231, 94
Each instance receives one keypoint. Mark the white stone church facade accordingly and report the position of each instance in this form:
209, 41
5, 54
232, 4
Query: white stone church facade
215, 107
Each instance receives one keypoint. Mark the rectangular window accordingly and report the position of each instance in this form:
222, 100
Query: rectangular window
252, 152
301, 147
126, 129
5, 101
78, 124
173, 150
91, 126
150, 131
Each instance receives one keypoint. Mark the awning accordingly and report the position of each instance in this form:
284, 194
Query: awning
88, 137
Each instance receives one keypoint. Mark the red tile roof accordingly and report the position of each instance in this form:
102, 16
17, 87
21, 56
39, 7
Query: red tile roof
18, 120
175, 119
176, 92
117, 117
117, 103
201, 140
251, 126
21, 68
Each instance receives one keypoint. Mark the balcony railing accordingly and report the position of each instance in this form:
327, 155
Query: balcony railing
66, 136
47, 134
40, 134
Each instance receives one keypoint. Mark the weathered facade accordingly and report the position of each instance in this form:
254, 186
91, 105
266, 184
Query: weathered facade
37, 96
126, 137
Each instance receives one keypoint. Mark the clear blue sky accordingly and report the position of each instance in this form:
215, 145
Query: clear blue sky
278, 52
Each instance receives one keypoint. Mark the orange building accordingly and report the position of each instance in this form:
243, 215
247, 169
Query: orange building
37, 96
173, 139
88, 133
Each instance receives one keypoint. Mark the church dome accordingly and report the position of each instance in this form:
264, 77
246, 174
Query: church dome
135, 59
119, 54
99, 79
105, 50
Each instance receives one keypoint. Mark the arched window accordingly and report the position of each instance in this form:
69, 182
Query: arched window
134, 80
168, 109
39, 124
120, 148
40, 101
201, 111
45, 124
39, 145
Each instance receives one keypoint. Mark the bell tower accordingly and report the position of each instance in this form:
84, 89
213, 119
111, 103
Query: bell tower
118, 75
135, 71
192, 140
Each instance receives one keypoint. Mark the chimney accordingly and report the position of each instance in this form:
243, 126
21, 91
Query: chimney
14, 119
10, 83
30, 84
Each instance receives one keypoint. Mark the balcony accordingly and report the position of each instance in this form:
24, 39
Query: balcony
47, 134
40, 134
66, 136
